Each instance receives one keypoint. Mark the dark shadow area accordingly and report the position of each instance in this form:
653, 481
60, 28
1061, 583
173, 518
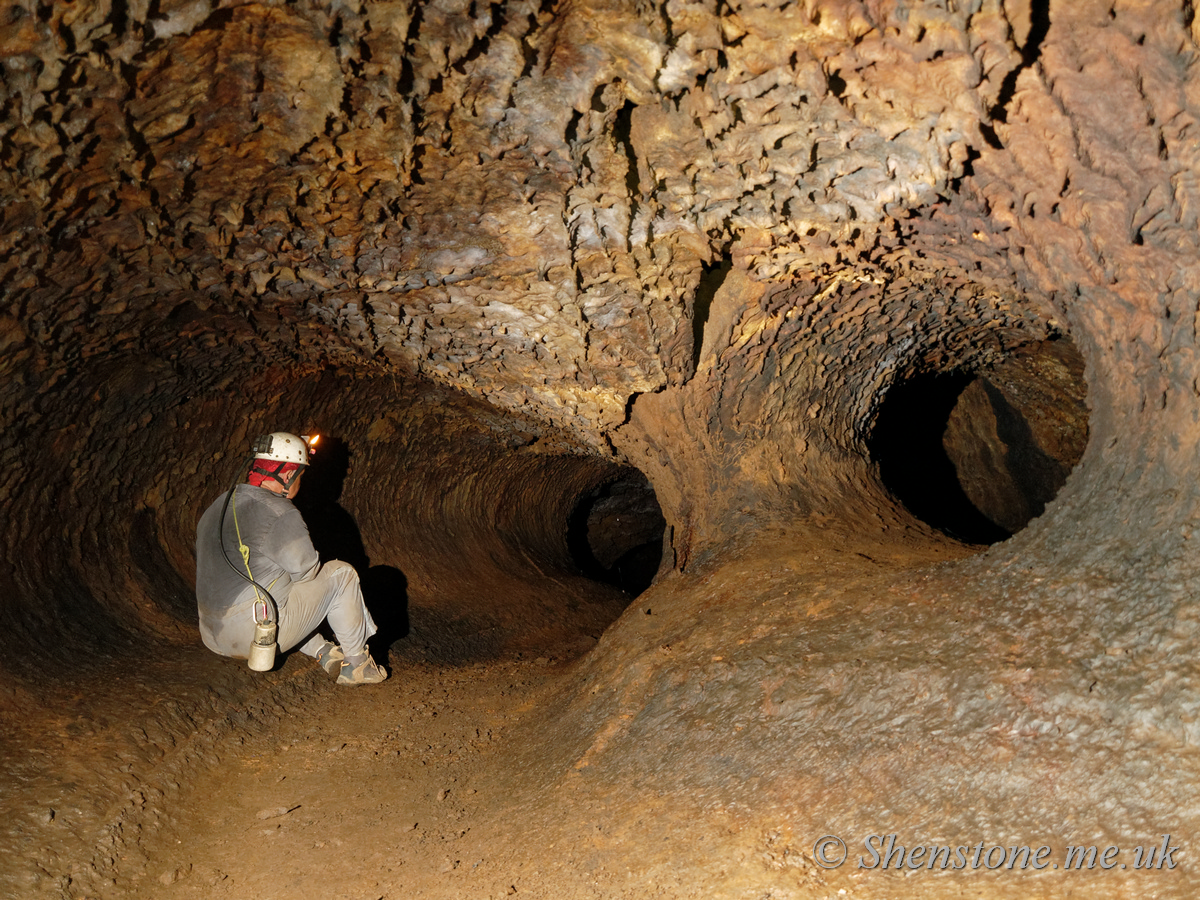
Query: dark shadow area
1038, 476
385, 590
334, 532
712, 276
336, 535
978, 455
622, 129
1031, 48
615, 532
907, 444
154, 571
1018, 429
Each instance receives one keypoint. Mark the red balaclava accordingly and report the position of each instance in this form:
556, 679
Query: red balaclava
272, 469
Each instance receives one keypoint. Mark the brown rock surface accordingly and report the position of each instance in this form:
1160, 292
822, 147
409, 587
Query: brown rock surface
499, 251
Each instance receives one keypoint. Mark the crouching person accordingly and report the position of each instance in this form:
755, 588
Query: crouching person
265, 534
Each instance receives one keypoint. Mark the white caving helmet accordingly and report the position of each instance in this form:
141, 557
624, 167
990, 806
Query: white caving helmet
281, 446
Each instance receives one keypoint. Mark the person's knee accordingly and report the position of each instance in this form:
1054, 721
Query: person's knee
342, 572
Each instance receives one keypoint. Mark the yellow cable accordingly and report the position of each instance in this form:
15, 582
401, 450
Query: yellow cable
245, 551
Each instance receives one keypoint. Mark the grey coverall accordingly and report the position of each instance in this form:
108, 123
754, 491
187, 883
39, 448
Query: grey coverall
282, 559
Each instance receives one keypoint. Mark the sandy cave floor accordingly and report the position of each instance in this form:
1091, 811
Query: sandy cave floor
425, 786
354, 793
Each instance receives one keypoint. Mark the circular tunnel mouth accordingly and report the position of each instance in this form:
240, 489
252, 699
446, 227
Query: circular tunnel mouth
979, 454
615, 532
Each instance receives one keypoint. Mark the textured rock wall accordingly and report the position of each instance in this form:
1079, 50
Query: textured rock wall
704, 239
531, 203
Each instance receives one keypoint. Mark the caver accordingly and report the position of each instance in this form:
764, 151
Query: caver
274, 589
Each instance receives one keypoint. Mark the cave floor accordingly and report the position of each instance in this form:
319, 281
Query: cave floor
193, 778
356, 793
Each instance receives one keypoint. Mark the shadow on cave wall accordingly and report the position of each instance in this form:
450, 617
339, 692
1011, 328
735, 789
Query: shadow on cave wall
336, 535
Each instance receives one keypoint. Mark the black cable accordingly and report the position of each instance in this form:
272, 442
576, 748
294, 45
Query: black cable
270, 604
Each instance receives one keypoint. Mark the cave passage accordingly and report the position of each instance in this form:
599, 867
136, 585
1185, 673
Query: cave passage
616, 532
754, 311
465, 513
979, 454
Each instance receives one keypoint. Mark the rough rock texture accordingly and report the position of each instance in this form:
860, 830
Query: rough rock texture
498, 249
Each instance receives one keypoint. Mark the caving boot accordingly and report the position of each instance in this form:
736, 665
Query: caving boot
330, 657
366, 672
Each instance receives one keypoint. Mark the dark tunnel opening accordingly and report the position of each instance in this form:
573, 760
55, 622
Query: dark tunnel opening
615, 532
979, 454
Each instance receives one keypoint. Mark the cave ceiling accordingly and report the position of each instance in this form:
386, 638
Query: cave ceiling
627, 221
